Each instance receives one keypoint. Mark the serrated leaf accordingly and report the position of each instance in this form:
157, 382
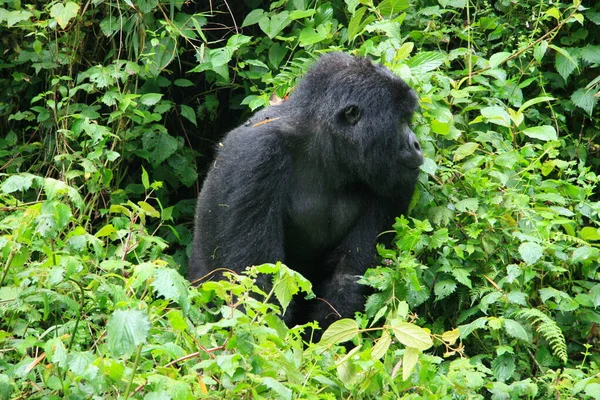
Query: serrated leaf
465, 150
516, 330
503, 367
540, 50
126, 329
63, 13
409, 361
544, 132
471, 204
530, 252
591, 54
444, 288
172, 286
20, 182
411, 335
340, 331
429, 166
160, 146
584, 99
564, 63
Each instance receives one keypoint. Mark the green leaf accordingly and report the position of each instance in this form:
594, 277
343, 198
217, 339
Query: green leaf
126, 329
272, 26
589, 234
299, 14
530, 252
465, 150
584, 99
591, 54
64, 13
411, 335
425, 61
545, 133
356, 23
253, 17
183, 82
20, 182
14, 17
529, 103
564, 63
382, 345
149, 99
188, 113
309, 36
409, 361
160, 146
277, 53
340, 331
470, 204
110, 25
496, 115
540, 50
503, 367
516, 330
498, 58
145, 179
146, 6
169, 284
282, 391
444, 288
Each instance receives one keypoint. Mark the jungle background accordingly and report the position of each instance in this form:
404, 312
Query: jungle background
110, 112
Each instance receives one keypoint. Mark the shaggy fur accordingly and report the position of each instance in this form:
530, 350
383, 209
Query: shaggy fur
312, 182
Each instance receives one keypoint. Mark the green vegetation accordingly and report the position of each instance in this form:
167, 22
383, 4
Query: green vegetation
108, 114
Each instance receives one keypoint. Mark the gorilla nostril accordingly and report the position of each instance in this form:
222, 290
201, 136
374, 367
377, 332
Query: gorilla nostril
417, 145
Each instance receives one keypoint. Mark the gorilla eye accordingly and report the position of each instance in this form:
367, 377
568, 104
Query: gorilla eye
352, 114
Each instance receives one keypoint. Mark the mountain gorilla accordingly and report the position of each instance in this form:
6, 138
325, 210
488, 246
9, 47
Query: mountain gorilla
312, 182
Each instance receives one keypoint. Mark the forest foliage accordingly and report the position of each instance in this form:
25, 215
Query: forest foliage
109, 114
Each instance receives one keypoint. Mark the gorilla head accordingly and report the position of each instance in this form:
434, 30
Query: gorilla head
312, 182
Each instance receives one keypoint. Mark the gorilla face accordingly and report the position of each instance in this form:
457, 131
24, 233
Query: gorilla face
371, 129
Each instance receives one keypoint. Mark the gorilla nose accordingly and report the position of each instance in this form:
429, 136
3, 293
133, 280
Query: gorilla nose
416, 145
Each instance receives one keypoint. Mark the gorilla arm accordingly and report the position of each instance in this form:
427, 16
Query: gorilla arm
240, 210
349, 261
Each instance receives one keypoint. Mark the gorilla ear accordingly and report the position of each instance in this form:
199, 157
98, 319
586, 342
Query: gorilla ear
351, 114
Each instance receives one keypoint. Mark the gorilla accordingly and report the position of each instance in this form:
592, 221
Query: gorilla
312, 182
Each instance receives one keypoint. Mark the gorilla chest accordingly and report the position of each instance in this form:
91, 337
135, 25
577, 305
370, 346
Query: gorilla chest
319, 218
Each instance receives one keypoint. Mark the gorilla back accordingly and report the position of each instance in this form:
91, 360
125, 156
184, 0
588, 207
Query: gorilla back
312, 182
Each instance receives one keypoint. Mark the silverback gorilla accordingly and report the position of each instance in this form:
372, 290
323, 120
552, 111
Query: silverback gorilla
312, 182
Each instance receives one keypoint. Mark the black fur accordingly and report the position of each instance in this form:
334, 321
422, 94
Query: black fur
312, 182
